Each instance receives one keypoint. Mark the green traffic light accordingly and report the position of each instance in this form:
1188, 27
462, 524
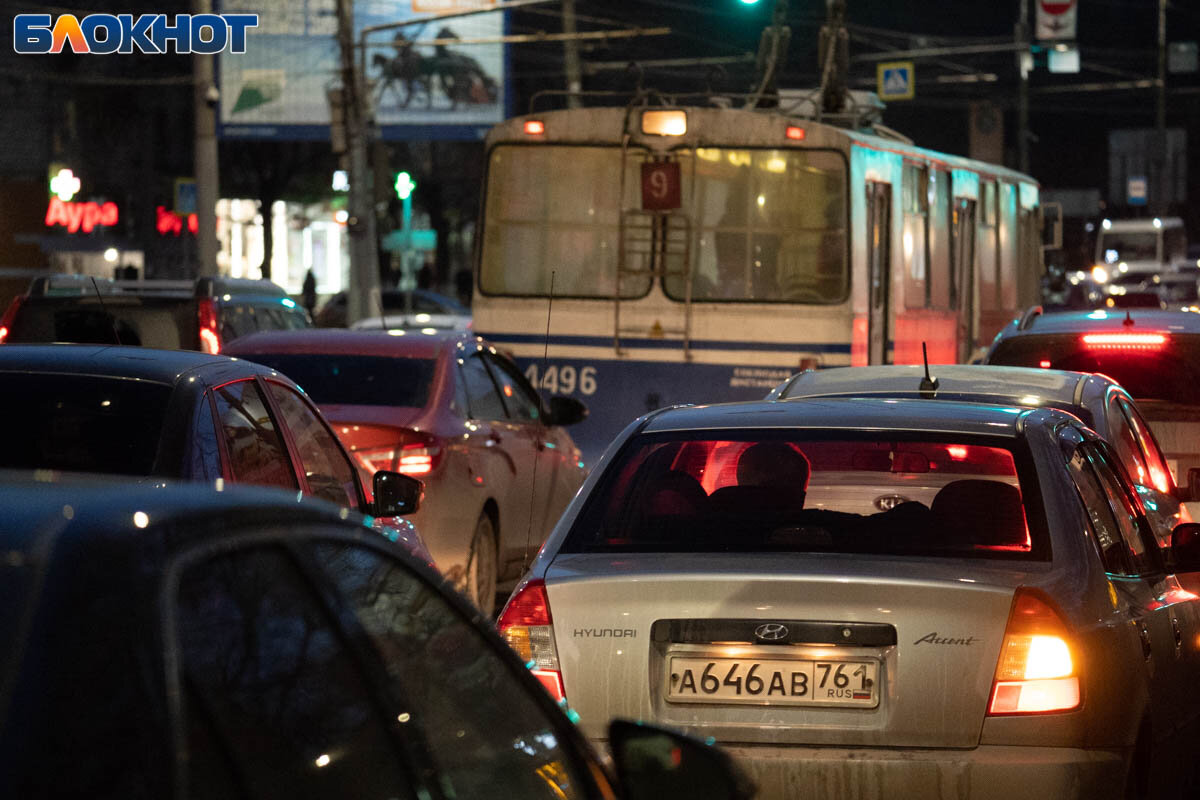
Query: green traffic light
404, 185
749, 2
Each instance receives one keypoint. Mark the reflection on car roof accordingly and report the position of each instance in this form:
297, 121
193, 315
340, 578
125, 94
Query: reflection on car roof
142, 363
1101, 320
976, 383
844, 414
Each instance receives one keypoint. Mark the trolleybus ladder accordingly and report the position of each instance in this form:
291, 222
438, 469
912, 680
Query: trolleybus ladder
653, 243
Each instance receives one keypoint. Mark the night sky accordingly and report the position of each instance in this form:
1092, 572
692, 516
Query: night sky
1117, 40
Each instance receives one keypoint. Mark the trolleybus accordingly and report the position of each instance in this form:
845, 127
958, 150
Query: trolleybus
648, 255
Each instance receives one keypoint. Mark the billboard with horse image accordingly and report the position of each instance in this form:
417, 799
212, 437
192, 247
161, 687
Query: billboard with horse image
427, 80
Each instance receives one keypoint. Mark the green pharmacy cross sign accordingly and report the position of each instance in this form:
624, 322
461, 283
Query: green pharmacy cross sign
405, 185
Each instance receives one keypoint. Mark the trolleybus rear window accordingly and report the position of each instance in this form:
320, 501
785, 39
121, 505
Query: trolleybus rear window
754, 225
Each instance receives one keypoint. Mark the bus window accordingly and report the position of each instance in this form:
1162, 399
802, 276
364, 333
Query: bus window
768, 226
916, 246
939, 239
552, 208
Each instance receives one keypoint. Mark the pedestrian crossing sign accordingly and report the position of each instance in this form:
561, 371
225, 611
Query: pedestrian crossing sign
895, 80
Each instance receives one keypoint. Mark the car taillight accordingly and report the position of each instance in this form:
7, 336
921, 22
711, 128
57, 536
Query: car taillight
419, 458
526, 625
418, 453
206, 317
10, 316
1036, 672
1125, 341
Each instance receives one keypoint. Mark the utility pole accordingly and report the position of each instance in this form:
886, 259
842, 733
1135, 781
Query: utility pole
834, 53
362, 295
1023, 67
1160, 119
772, 53
204, 103
571, 55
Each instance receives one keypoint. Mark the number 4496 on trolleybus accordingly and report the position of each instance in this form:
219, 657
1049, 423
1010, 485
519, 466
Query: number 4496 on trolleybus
704, 254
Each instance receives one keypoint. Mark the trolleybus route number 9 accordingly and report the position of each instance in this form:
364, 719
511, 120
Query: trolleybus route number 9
563, 380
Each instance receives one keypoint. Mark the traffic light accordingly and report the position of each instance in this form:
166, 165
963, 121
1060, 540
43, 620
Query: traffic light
404, 185
749, 2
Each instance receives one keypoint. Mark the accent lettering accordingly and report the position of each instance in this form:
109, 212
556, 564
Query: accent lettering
933, 638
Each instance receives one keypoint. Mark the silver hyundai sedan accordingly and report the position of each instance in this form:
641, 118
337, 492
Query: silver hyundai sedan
876, 598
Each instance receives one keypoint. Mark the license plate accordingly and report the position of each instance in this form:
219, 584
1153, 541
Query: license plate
766, 681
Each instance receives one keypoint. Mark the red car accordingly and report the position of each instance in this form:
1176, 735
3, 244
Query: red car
446, 408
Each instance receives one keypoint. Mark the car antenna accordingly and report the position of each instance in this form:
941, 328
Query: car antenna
533, 482
929, 384
1128, 321
382, 313
111, 318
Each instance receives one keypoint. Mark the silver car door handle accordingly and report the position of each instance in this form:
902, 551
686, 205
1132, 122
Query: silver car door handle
1178, 635
1144, 633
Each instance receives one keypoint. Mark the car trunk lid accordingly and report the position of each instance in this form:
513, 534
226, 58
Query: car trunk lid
917, 642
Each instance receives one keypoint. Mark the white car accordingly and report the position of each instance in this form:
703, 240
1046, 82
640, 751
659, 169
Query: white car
885, 597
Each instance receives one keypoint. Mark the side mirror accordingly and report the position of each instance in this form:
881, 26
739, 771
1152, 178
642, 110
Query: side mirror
566, 411
1185, 547
395, 494
657, 764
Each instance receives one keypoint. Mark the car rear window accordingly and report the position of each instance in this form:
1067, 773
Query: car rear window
1151, 365
168, 323
81, 423
932, 496
355, 380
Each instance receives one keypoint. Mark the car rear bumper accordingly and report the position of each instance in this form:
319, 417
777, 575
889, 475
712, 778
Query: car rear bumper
829, 773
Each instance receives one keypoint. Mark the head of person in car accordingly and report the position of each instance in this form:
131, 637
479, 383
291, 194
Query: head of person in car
777, 472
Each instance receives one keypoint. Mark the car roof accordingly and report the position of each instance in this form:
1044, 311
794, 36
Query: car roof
118, 511
1145, 224
123, 361
841, 413
1023, 386
344, 341
1143, 319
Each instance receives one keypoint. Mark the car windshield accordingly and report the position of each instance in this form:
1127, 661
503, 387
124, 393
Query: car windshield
81, 423
1149, 369
929, 496
331, 379
167, 323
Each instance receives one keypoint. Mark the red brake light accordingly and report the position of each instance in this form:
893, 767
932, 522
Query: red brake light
535, 127
795, 132
1125, 341
1036, 672
10, 315
417, 453
529, 606
525, 624
206, 317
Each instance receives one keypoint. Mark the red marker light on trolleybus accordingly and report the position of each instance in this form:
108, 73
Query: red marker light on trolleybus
794, 132
535, 127
1125, 341
1044, 363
